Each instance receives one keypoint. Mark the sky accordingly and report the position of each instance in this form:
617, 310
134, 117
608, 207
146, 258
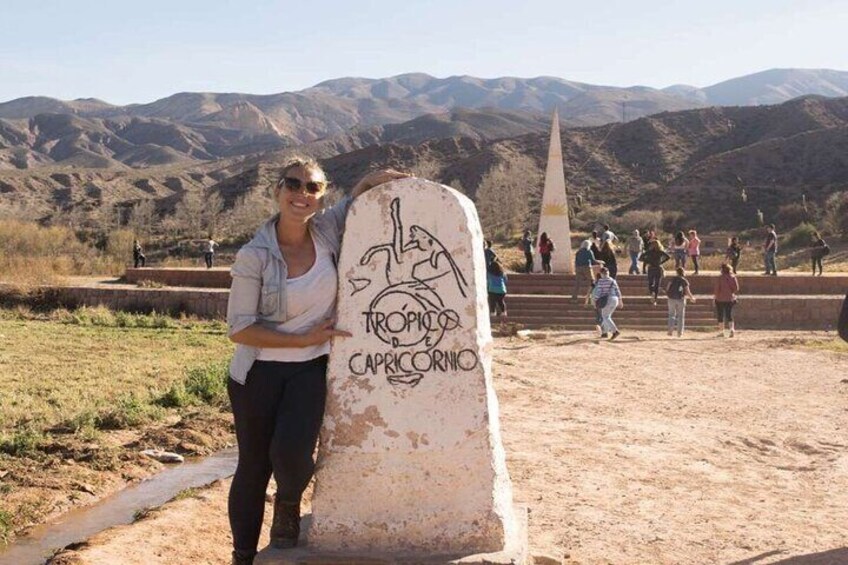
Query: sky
135, 52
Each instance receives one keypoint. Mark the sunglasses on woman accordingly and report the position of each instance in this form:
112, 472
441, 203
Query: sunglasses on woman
295, 185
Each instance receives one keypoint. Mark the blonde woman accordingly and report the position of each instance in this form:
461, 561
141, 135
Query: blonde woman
280, 315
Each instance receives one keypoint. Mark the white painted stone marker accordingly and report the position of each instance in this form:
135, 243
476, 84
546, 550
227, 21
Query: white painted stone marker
411, 458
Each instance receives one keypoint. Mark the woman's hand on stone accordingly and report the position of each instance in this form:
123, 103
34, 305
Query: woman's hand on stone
323, 332
377, 178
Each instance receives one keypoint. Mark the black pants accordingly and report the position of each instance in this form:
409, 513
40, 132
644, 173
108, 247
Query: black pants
817, 261
655, 275
208, 257
695, 263
546, 263
724, 311
278, 413
734, 263
613, 269
496, 303
528, 262
138, 260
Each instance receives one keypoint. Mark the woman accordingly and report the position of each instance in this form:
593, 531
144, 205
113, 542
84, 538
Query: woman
607, 297
496, 283
725, 293
733, 253
607, 255
546, 247
654, 257
584, 260
677, 292
694, 250
282, 301
679, 249
817, 252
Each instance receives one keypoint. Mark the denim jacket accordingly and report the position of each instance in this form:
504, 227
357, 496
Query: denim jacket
258, 290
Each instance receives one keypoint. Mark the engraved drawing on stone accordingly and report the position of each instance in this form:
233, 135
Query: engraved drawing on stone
408, 313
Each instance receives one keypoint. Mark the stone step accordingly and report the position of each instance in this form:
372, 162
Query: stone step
750, 284
590, 315
590, 325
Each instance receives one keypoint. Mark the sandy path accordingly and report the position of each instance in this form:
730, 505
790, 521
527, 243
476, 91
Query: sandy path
649, 450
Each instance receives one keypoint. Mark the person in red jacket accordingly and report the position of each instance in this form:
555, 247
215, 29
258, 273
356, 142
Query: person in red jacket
546, 247
725, 291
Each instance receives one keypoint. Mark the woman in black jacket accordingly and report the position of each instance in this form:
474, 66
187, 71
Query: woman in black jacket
607, 255
654, 257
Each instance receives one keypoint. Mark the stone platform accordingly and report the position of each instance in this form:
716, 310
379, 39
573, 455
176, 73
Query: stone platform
786, 302
516, 552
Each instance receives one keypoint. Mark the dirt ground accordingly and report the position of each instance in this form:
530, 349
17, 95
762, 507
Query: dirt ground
649, 450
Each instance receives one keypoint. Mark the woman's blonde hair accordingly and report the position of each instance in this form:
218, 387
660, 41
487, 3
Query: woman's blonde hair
300, 162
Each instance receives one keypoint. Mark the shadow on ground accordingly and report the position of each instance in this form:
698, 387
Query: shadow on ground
831, 557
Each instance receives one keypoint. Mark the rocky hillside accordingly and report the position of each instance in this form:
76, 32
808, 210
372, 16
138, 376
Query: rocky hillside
696, 162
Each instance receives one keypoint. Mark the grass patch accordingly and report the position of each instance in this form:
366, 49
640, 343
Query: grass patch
202, 385
835, 345
5, 526
144, 513
130, 411
191, 492
92, 368
21, 442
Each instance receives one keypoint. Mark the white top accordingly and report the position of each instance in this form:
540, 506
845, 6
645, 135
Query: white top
211, 245
310, 299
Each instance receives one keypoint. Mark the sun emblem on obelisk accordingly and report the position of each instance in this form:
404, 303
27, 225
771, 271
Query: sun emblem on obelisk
554, 210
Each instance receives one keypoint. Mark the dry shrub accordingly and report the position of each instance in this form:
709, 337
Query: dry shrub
836, 213
639, 220
32, 255
592, 217
506, 195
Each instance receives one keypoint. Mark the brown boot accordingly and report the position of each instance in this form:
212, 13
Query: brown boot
285, 529
242, 557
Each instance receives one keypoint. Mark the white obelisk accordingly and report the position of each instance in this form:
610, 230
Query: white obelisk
554, 216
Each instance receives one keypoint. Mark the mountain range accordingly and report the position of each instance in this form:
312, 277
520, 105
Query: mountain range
345, 112
695, 161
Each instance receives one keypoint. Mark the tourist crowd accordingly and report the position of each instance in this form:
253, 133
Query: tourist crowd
596, 270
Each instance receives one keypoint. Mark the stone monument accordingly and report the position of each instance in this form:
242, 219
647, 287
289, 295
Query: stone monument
554, 214
411, 467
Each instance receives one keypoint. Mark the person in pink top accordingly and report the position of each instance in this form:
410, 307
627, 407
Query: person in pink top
725, 291
694, 249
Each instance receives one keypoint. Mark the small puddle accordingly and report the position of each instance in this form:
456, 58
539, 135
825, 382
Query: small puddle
77, 525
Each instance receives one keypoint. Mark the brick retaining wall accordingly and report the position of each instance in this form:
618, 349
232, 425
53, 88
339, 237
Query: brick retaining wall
788, 312
203, 303
217, 277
